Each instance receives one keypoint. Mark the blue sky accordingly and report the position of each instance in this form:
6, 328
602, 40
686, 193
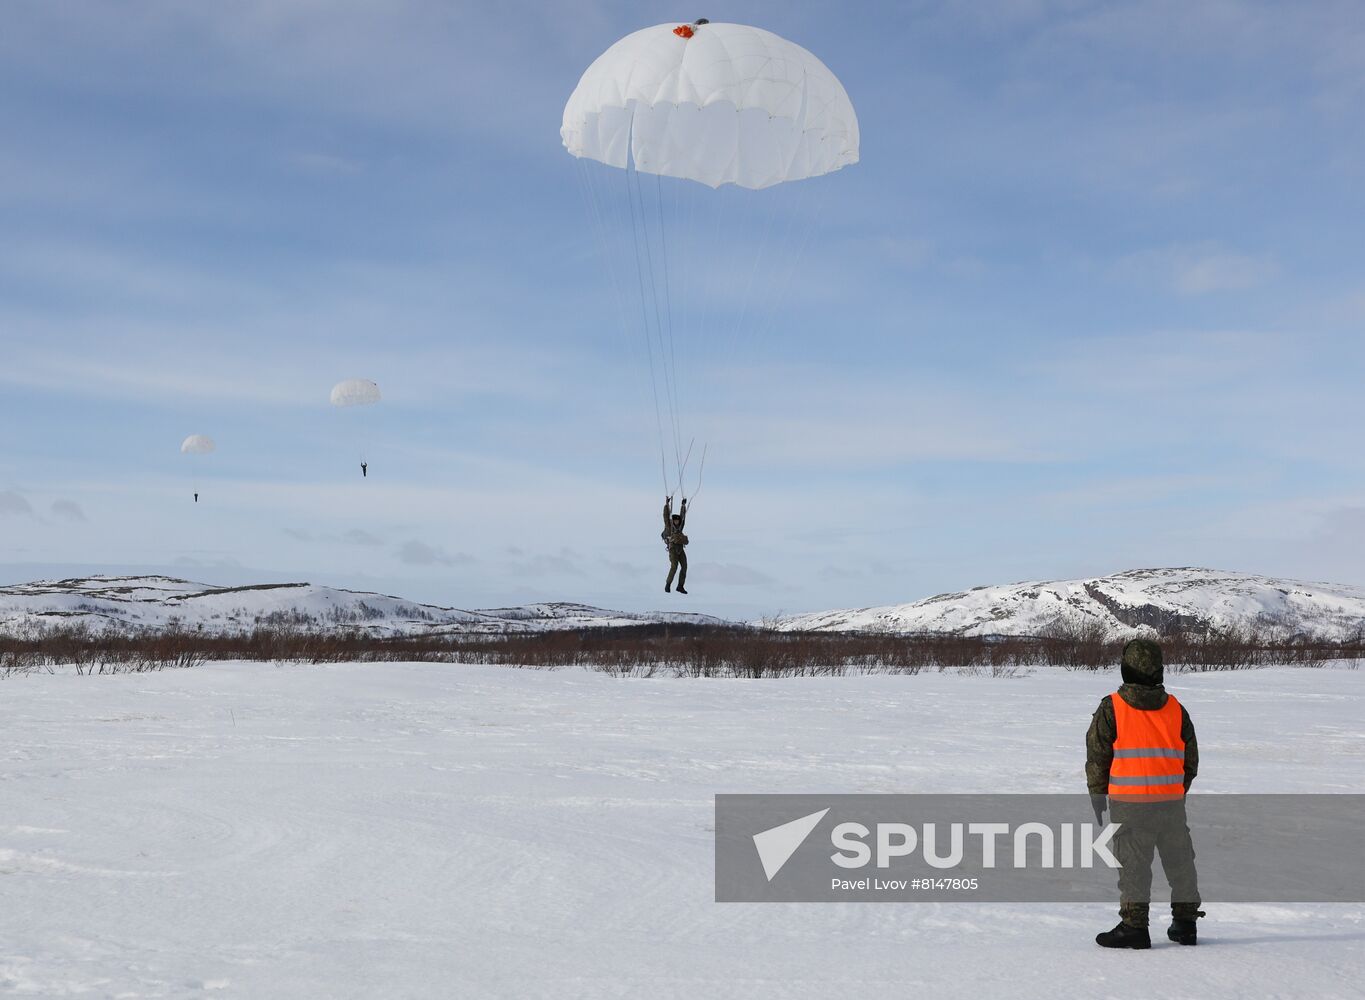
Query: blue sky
1092, 300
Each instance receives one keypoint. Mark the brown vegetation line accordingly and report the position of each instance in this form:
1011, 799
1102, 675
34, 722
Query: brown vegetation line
658, 649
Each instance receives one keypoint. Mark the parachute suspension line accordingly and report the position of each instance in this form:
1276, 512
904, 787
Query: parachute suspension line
644, 319
770, 297
599, 217
648, 263
685, 273
659, 328
710, 316
672, 368
760, 253
684, 263
682, 468
701, 471
812, 224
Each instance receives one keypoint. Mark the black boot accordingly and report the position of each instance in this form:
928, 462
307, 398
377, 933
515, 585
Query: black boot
1124, 936
668, 588
682, 589
1184, 931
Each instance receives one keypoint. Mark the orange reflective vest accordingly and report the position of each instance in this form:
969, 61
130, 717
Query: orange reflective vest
1149, 753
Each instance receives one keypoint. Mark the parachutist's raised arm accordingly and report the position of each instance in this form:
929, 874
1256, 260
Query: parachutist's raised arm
668, 511
682, 514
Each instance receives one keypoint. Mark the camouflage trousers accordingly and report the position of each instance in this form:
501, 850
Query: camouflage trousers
1148, 829
677, 560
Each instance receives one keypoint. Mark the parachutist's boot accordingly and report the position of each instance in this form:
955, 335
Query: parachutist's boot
1124, 936
682, 589
668, 588
1184, 931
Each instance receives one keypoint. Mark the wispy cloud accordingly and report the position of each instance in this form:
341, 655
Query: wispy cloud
359, 536
67, 510
323, 163
415, 553
566, 562
1199, 269
733, 575
11, 503
626, 570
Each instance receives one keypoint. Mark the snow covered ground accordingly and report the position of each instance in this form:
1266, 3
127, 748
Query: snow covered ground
393, 831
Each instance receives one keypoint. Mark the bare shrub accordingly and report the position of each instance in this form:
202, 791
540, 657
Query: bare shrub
1083, 644
671, 649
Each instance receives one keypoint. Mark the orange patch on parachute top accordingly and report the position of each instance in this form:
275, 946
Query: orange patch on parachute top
684, 31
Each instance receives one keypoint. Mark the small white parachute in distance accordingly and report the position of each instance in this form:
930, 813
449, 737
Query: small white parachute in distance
355, 392
198, 444
714, 103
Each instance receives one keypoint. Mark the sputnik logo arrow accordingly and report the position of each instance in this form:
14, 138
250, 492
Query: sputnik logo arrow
777, 845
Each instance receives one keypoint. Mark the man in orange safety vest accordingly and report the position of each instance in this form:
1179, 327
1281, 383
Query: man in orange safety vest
1141, 756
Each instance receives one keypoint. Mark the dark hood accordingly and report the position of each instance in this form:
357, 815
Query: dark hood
1142, 663
1147, 697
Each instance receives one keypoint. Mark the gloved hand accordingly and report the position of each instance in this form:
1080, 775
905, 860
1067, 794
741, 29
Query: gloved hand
1099, 803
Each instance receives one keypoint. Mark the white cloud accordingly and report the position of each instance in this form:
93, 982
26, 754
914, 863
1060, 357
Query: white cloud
359, 536
11, 503
67, 510
566, 562
1198, 269
323, 163
732, 575
415, 553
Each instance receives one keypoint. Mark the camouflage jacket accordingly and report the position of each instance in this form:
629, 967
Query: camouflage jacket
673, 535
1099, 742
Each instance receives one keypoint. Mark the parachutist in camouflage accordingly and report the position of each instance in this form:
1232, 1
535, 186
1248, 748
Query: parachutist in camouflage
1141, 758
676, 541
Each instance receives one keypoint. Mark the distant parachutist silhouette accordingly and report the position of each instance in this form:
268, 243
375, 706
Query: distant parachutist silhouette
364, 470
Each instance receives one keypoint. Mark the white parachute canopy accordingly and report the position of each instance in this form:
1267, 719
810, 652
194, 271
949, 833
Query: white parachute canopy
355, 392
198, 444
714, 103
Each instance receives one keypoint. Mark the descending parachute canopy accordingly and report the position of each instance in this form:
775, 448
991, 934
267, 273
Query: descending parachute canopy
737, 110
355, 392
197, 444
715, 103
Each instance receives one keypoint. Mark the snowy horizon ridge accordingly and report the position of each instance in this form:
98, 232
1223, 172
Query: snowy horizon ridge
1129, 603
153, 602
1133, 602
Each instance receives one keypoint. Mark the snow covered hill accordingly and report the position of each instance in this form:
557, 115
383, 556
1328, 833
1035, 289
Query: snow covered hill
149, 603
1125, 603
